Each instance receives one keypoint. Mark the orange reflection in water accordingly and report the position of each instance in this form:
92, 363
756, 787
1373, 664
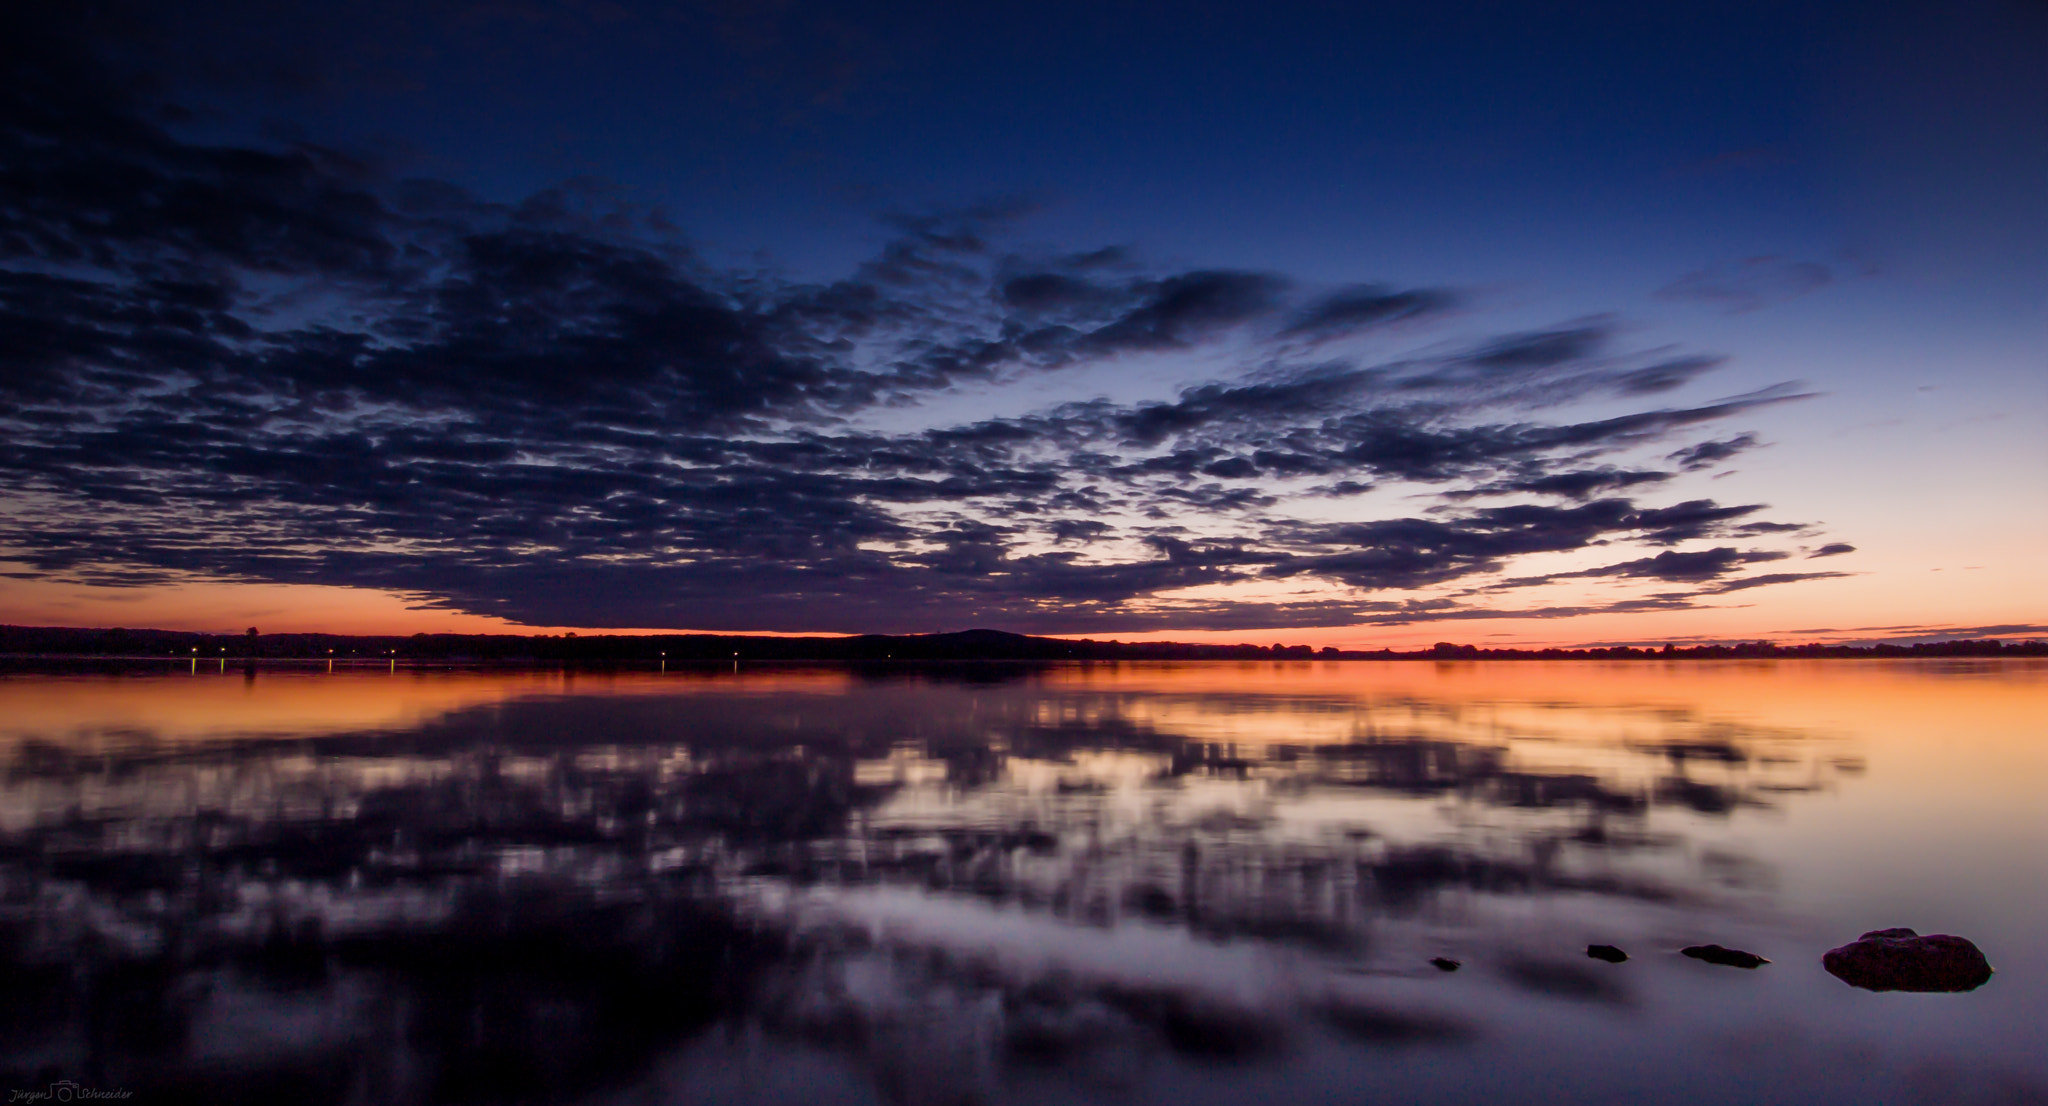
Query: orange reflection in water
1869, 698
1272, 841
1250, 702
190, 702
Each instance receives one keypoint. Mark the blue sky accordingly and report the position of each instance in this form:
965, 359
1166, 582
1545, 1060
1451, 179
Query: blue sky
1842, 202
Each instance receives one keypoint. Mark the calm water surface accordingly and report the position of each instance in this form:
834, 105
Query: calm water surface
1182, 883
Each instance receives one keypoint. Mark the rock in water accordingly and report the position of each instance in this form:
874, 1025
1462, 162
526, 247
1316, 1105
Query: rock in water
1606, 952
1902, 960
1715, 954
1444, 963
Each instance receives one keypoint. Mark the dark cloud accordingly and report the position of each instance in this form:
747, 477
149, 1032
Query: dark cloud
1414, 552
1708, 454
1694, 519
1544, 349
1927, 633
1079, 529
1833, 549
1749, 284
1365, 306
1409, 443
1759, 529
1299, 396
1768, 579
1582, 484
1539, 368
1177, 311
1666, 375
1343, 488
1910, 634
1041, 293
1670, 566
280, 363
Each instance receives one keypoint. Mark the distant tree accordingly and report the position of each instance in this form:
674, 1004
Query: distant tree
252, 631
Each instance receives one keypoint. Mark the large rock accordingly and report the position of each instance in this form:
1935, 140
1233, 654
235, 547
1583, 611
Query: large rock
1902, 960
1715, 954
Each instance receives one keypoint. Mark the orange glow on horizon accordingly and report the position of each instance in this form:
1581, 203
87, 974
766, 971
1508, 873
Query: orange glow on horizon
230, 607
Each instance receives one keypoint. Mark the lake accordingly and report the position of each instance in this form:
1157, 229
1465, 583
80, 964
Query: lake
1172, 883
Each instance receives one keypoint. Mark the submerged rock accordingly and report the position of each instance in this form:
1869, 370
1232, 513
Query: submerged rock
1715, 954
1902, 960
1444, 963
1606, 952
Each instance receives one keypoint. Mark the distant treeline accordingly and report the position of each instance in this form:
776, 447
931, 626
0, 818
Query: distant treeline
968, 645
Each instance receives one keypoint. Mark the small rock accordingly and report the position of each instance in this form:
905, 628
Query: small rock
1606, 952
1902, 960
1715, 954
1444, 963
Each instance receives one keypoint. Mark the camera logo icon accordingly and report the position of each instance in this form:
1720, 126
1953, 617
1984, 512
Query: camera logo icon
64, 1091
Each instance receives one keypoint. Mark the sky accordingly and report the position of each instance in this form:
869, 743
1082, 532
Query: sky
1335, 324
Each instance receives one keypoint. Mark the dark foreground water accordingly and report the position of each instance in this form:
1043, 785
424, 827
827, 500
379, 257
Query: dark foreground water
1174, 883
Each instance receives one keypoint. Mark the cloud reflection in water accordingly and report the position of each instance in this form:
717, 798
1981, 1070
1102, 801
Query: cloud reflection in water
951, 880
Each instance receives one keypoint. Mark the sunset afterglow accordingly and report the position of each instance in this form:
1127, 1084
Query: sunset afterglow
1308, 324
